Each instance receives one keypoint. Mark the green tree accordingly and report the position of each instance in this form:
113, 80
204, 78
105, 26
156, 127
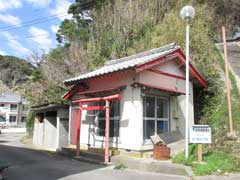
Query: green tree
78, 28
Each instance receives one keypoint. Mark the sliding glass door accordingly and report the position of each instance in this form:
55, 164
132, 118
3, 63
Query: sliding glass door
155, 116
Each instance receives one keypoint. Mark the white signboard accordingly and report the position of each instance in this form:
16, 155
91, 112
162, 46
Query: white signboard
200, 134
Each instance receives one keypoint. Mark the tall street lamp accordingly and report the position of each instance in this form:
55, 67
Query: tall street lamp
187, 13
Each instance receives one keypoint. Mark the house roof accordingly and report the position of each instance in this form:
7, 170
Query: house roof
134, 61
49, 106
10, 98
126, 62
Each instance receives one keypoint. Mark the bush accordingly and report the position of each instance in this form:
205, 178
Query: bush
30, 122
215, 162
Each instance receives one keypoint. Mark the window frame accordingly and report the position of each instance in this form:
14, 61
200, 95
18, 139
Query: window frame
113, 118
12, 121
25, 119
13, 109
155, 118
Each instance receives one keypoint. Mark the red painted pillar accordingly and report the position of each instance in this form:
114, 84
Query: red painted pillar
107, 124
79, 129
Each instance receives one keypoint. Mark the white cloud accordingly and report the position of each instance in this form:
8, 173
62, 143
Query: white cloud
61, 8
54, 28
15, 45
10, 19
2, 53
40, 3
10, 4
41, 37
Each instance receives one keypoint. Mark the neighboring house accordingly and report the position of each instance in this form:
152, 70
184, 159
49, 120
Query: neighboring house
51, 126
13, 108
145, 95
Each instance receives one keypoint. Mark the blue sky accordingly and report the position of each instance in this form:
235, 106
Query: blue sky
21, 38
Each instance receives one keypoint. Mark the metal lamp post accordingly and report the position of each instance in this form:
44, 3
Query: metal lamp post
187, 13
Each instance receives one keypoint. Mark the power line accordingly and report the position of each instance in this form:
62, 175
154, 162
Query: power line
44, 19
32, 21
26, 37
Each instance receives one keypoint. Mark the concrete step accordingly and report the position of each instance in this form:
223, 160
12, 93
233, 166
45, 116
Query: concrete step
151, 165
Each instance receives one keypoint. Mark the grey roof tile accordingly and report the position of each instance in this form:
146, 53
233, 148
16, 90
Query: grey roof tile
126, 62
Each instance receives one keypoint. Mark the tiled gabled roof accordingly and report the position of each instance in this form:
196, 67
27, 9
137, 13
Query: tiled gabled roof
126, 62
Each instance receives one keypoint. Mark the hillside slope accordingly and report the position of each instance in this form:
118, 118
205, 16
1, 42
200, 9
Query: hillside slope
124, 27
14, 71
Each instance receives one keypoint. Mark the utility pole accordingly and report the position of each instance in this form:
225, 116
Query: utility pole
228, 83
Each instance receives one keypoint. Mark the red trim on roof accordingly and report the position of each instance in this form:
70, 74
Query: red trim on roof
166, 74
177, 53
102, 90
71, 92
98, 99
192, 69
137, 84
156, 62
170, 56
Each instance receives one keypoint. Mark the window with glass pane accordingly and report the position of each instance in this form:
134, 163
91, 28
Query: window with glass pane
155, 115
162, 126
149, 110
12, 118
23, 119
114, 120
162, 108
149, 128
13, 107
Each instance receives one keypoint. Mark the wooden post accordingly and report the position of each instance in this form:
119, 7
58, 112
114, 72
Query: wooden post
79, 129
107, 124
227, 82
200, 153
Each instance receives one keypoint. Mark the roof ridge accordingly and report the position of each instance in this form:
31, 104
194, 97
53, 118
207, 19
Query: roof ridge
126, 62
141, 54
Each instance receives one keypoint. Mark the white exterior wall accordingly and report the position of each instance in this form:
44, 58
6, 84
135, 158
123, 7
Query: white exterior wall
62, 128
171, 67
7, 112
45, 134
177, 103
131, 115
131, 129
52, 133
181, 110
38, 133
130, 132
131, 123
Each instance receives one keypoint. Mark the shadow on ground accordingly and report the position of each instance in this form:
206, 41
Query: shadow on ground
30, 164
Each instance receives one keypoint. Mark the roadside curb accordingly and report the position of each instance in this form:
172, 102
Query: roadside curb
151, 165
14, 130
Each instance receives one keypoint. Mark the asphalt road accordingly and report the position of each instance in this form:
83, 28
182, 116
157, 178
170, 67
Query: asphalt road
30, 164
